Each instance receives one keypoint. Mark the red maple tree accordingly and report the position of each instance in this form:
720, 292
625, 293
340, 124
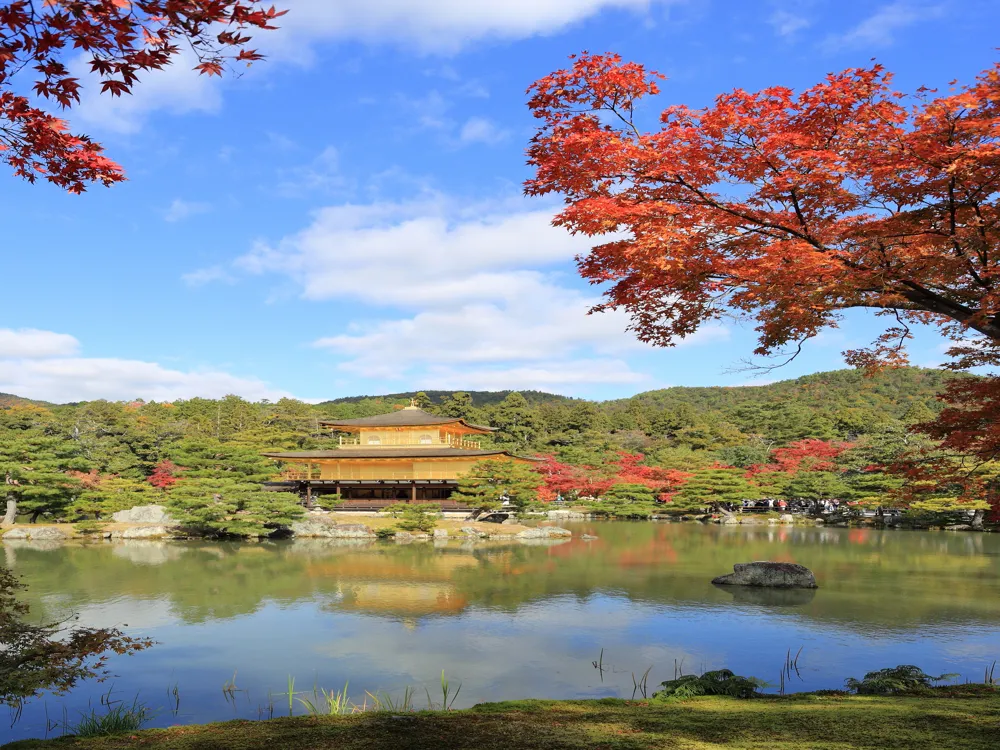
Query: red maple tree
810, 454
562, 479
119, 40
788, 209
164, 475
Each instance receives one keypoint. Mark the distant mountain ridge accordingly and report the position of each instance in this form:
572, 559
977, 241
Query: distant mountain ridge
903, 384
9, 399
479, 398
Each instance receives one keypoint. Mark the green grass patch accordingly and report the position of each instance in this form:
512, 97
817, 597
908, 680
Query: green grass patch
120, 718
951, 717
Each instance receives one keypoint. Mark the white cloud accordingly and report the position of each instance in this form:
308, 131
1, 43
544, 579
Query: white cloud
438, 26
41, 365
538, 322
208, 275
879, 29
181, 209
321, 174
30, 343
441, 26
482, 130
485, 285
430, 252
786, 24
176, 89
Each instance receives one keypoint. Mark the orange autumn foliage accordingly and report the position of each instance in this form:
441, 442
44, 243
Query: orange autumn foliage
788, 209
118, 40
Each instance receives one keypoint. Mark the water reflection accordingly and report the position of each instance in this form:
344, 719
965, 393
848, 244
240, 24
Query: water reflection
515, 620
768, 597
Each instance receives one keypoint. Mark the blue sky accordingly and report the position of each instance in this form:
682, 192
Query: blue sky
347, 217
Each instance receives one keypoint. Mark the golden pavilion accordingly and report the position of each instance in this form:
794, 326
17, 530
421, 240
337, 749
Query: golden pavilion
407, 455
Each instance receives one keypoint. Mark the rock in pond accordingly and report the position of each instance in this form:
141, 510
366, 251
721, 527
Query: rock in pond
566, 515
777, 575
544, 532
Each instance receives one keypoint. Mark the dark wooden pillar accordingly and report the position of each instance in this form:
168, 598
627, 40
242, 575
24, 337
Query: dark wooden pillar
413, 492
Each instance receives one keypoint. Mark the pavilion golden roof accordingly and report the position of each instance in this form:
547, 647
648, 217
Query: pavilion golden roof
410, 452
411, 416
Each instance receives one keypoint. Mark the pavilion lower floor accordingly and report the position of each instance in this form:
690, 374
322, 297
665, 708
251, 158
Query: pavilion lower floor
372, 494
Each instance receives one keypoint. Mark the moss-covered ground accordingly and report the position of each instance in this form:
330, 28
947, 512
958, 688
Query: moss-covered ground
959, 718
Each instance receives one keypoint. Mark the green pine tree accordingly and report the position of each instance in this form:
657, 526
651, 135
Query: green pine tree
517, 422
714, 487
458, 405
490, 482
814, 485
626, 501
33, 466
231, 506
111, 495
422, 401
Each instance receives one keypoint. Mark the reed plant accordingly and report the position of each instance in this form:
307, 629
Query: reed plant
330, 703
119, 718
383, 702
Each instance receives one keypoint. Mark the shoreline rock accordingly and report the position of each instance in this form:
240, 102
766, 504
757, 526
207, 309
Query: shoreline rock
317, 529
545, 532
35, 533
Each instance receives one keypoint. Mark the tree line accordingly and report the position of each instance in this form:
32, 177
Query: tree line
830, 435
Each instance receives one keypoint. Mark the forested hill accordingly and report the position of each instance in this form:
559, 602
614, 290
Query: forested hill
96, 457
8, 399
891, 392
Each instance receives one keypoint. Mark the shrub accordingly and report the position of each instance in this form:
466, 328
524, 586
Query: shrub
625, 500
417, 517
905, 678
719, 682
89, 528
238, 506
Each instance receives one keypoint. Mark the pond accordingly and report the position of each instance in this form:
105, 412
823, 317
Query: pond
509, 620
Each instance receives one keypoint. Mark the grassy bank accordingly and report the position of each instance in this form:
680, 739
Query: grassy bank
967, 718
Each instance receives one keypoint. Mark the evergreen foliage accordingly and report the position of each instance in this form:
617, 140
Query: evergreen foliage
231, 506
415, 516
626, 501
489, 483
718, 682
905, 678
829, 435
715, 487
